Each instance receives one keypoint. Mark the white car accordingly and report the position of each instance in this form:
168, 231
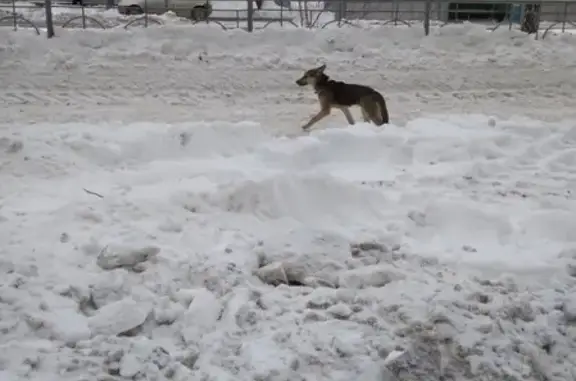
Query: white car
86, 3
193, 9
94, 2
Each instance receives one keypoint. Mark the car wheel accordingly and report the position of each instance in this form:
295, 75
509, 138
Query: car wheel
134, 10
200, 13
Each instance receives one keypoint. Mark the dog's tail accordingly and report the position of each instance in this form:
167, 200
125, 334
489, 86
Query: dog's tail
382, 113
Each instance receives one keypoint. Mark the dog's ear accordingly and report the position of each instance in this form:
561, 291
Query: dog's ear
321, 68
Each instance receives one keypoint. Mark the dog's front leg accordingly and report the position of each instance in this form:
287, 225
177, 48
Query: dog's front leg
316, 118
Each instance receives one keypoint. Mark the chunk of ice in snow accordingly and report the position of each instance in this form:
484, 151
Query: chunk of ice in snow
201, 316
124, 256
369, 276
119, 317
130, 365
67, 325
282, 273
570, 309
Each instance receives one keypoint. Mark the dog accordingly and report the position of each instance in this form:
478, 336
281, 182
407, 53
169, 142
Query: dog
340, 95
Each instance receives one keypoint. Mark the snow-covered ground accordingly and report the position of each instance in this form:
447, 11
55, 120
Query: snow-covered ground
163, 218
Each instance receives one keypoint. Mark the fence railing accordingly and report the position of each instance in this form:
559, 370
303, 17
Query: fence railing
538, 18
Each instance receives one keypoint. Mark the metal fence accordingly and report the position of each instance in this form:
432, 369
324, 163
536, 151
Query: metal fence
538, 18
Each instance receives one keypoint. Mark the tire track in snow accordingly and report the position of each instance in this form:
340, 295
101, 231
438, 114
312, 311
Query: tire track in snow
113, 88
73, 96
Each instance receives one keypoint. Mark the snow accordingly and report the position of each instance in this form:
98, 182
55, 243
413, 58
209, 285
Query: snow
111, 18
163, 217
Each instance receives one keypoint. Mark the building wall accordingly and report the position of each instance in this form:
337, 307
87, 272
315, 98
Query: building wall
414, 10
386, 10
555, 12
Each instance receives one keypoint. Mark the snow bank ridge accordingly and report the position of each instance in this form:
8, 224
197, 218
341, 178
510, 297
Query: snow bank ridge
302, 197
284, 49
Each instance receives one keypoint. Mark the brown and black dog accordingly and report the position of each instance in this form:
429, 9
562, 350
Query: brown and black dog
340, 95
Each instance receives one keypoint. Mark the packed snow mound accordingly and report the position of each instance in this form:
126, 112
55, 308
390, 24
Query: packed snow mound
439, 248
290, 195
81, 146
285, 49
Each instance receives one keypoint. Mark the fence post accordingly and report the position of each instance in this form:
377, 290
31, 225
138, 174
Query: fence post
341, 13
145, 13
565, 15
427, 11
14, 15
49, 20
83, 16
538, 15
250, 18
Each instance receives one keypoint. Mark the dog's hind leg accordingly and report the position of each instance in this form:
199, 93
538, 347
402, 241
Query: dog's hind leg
365, 115
348, 115
372, 110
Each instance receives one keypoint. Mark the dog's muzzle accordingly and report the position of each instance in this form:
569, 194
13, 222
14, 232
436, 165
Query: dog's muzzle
301, 82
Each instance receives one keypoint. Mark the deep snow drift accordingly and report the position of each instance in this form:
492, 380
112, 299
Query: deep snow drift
146, 250
212, 246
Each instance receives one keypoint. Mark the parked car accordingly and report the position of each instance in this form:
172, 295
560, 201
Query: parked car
86, 3
193, 9
89, 3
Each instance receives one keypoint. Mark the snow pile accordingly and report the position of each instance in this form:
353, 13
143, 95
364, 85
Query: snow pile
365, 51
218, 251
218, 248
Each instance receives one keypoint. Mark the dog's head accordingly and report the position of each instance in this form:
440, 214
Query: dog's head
311, 76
